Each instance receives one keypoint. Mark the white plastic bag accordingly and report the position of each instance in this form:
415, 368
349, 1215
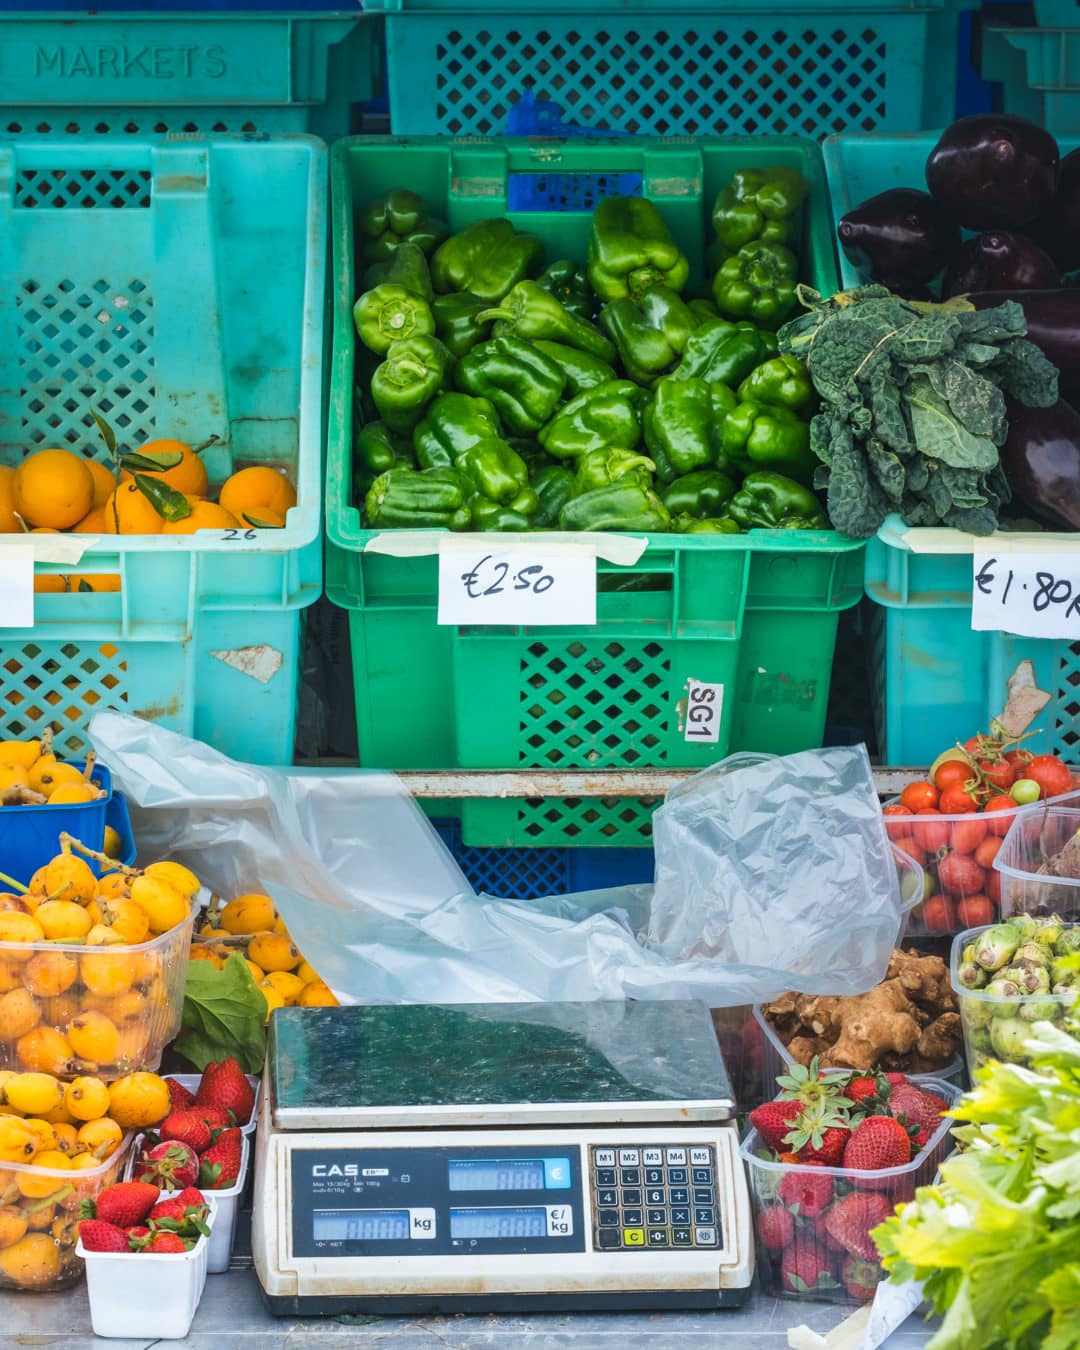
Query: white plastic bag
380, 908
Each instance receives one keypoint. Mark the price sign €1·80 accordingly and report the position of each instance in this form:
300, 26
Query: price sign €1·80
1029, 594
479, 584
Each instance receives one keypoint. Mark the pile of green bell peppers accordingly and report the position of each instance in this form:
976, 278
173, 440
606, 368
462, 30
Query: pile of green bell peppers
499, 389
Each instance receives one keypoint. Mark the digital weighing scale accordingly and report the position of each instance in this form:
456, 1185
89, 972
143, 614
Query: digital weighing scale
498, 1157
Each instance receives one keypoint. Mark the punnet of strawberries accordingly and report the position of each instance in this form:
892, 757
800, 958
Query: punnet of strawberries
199, 1142
132, 1217
839, 1137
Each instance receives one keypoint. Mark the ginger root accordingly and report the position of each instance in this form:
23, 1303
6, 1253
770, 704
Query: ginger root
874, 1024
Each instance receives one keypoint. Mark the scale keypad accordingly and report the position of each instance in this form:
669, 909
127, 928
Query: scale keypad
649, 1198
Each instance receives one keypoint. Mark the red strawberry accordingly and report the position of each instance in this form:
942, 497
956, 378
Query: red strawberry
896, 1079
805, 1268
773, 1120
224, 1085
213, 1117
167, 1243
919, 1111
137, 1234
220, 1164
99, 1236
830, 1150
173, 1164
775, 1227
173, 1208
860, 1278
850, 1220
187, 1127
124, 1204
806, 1194
180, 1096
862, 1090
192, 1196
877, 1141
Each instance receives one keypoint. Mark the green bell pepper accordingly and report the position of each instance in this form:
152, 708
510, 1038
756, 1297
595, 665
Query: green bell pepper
702, 309
686, 524
398, 217
756, 436
407, 266
488, 258
554, 486
759, 204
781, 382
770, 501
702, 493
528, 311
457, 322
378, 448
626, 504
683, 424
582, 371
413, 371
631, 250
498, 473
598, 468
569, 284
463, 433
405, 498
650, 334
389, 314
722, 352
488, 515
771, 342
524, 385
757, 283
608, 416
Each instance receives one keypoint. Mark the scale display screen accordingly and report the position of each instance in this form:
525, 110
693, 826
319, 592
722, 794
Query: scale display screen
496, 1174
498, 1223
361, 1225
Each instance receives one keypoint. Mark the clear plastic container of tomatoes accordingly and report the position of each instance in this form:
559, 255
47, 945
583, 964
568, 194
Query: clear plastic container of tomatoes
1039, 863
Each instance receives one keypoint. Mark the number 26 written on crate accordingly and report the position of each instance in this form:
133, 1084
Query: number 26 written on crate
479, 584
1030, 594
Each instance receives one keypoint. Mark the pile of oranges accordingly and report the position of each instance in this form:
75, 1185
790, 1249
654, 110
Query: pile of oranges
55, 491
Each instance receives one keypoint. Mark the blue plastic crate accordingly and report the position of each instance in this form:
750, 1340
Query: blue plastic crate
689, 67
30, 835
178, 287
122, 69
531, 873
1038, 70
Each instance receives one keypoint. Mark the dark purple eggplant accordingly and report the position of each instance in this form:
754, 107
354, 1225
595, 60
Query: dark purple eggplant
1058, 230
901, 236
1041, 459
993, 171
1053, 321
999, 261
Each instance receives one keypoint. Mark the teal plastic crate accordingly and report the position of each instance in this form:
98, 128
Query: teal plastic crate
757, 613
178, 286
1038, 70
860, 166
138, 73
935, 680
687, 68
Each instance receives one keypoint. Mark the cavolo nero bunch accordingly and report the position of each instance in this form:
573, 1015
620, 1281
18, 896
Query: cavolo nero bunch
913, 405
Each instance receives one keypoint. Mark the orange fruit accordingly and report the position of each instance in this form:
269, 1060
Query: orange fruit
9, 523
256, 491
50, 583
204, 516
267, 517
104, 482
93, 522
129, 511
67, 793
189, 476
69, 878
138, 1101
94, 1037
63, 920
53, 488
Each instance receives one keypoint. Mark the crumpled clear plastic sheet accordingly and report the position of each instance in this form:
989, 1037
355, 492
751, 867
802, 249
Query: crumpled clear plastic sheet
794, 891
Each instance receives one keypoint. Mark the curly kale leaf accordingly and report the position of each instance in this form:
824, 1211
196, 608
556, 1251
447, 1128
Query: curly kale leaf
938, 433
857, 506
1025, 374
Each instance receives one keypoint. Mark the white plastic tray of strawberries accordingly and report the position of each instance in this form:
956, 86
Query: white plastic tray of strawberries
226, 1203
192, 1080
810, 1248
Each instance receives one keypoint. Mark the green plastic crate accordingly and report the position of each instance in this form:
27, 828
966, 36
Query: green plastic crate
689, 67
757, 613
140, 73
178, 286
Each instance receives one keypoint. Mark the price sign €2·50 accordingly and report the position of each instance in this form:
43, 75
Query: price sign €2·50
479, 585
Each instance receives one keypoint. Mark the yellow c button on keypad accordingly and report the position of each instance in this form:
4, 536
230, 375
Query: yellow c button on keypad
634, 1237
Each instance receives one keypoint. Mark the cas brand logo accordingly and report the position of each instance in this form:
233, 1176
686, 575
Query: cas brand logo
335, 1170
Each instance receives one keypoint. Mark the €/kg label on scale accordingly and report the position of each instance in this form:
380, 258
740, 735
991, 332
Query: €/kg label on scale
485, 585
1030, 594
704, 710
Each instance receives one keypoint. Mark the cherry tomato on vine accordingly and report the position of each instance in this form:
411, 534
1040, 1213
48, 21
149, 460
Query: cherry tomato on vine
966, 835
906, 844
939, 915
1000, 813
1019, 759
895, 809
1025, 791
955, 801
1052, 776
987, 851
931, 835
974, 911
960, 874
953, 773
1000, 775
918, 796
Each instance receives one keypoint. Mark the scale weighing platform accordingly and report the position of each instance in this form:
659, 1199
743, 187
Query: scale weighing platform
498, 1157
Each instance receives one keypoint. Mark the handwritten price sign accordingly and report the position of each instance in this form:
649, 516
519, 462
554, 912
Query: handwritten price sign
1030, 594
483, 585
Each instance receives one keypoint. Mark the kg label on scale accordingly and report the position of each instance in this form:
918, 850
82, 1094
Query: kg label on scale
485, 585
1030, 594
